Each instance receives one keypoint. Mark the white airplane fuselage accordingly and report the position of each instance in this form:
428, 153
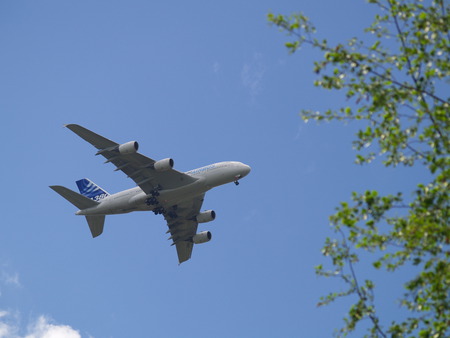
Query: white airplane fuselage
135, 199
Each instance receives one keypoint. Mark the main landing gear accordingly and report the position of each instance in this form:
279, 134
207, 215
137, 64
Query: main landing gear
151, 201
159, 211
155, 193
171, 213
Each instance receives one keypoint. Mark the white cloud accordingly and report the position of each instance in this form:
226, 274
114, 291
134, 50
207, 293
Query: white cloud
10, 278
7, 327
252, 75
43, 327
5, 330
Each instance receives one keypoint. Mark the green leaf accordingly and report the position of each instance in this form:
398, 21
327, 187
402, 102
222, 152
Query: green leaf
389, 81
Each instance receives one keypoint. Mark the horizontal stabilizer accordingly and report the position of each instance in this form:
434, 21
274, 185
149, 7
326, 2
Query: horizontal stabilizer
96, 224
80, 201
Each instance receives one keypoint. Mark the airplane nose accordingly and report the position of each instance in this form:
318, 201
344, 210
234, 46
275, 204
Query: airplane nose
243, 171
246, 170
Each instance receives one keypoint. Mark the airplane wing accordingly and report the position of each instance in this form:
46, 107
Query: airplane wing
135, 165
183, 225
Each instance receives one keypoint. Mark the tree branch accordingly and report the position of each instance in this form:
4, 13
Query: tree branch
358, 290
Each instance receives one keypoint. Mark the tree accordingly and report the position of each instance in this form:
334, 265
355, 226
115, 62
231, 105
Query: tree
396, 88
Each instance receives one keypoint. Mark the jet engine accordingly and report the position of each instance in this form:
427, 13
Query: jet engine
163, 165
128, 148
206, 216
202, 237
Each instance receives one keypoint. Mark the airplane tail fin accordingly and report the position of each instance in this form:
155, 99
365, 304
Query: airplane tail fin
91, 190
96, 224
82, 202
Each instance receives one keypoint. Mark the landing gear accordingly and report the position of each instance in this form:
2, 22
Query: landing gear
236, 182
155, 192
159, 211
151, 201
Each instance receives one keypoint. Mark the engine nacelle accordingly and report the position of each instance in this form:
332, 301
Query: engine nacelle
128, 148
202, 237
206, 216
164, 165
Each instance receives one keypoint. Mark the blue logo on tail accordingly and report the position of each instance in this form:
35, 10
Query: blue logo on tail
90, 189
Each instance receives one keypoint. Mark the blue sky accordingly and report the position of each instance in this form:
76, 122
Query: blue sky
200, 82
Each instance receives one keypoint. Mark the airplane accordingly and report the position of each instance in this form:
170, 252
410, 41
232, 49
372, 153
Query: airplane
176, 195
